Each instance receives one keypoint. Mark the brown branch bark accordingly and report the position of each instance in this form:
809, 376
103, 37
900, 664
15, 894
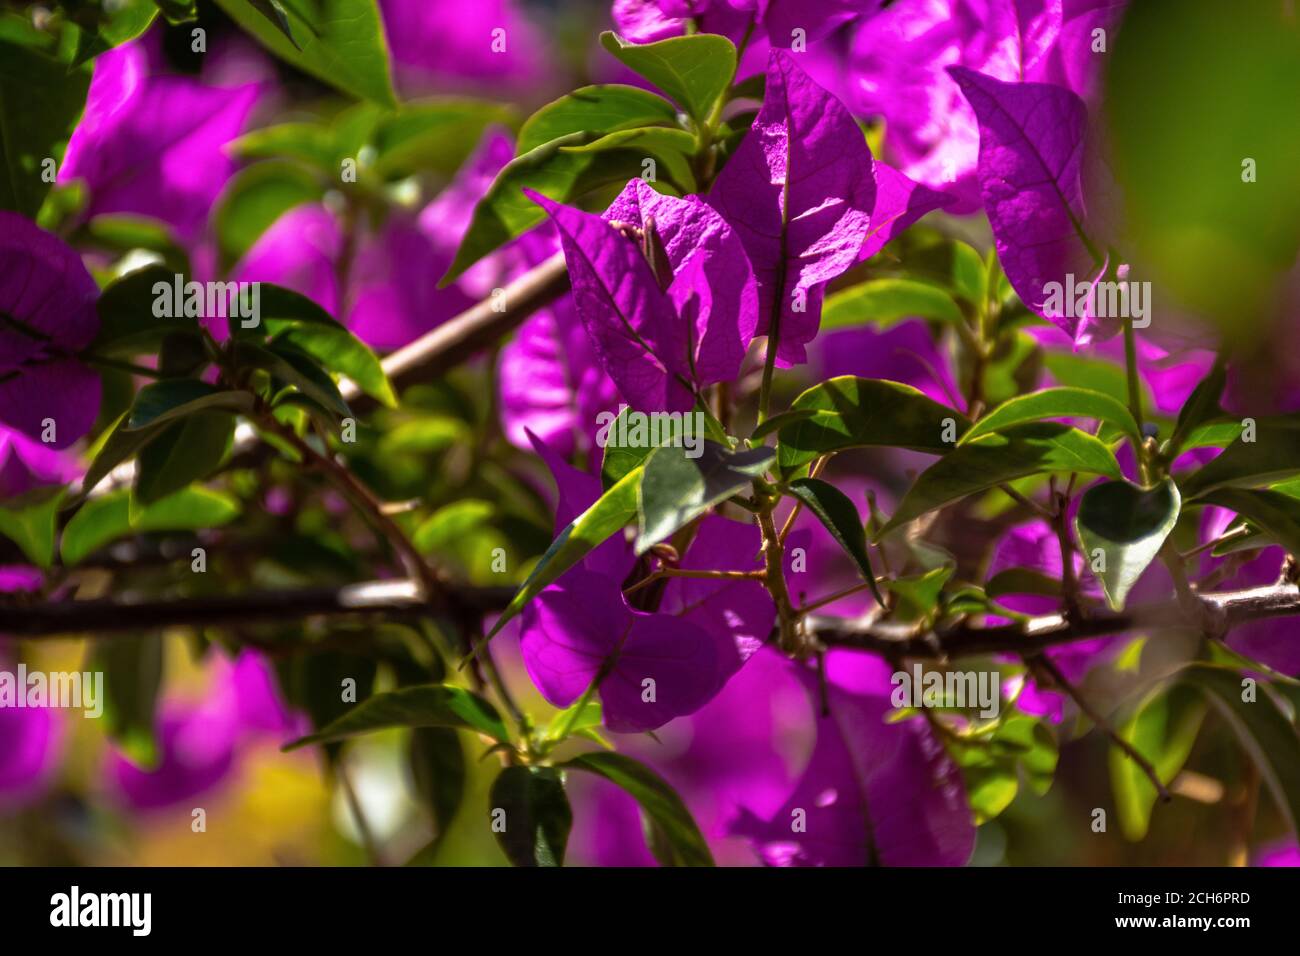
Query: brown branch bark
399, 596
448, 345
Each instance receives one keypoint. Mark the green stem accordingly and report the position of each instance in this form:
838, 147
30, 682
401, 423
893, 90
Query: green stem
1130, 364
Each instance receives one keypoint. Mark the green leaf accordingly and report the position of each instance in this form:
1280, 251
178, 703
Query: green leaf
309, 143
170, 399
133, 671
672, 147
431, 705
918, 594
462, 535
533, 810
118, 23
1062, 402
1020, 451
505, 213
627, 447
883, 302
676, 489
610, 513
127, 323
595, 109
434, 135
103, 520
1163, 729
124, 232
255, 198
40, 101
294, 367
1201, 406
438, 769
837, 512
29, 522
777, 422
693, 70
1275, 513
1264, 731
850, 411
338, 41
1127, 524
340, 352
663, 809
186, 451
1273, 455
1082, 371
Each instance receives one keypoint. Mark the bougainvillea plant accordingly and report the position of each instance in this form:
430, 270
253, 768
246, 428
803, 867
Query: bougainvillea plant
839, 432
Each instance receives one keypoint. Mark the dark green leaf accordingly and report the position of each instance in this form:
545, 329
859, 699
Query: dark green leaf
1038, 448
433, 705
1127, 524
338, 41
683, 844
340, 352
168, 400
531, 817
294, 367
133, 670
40, 100
1264, 731
1202, 405
1062, 402
834, 510
127, 323
438, 768
185, 451
1274, 454
850, 411
1277, 514
693, 70
595, 109
676, 489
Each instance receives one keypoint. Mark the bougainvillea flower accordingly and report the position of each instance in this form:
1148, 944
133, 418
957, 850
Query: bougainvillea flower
552, 385
25, 464
897, 70
745, 748
659, 334
47, 314
873, 791
299, 251
783, 23
799, 192
154, 145
652, 666
438, 45
199, 743
1030, 173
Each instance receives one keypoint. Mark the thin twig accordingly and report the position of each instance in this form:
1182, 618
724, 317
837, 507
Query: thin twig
1133, 753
